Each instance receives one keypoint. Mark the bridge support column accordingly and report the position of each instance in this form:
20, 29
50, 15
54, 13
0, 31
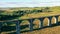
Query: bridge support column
41, 24
57, 20
31, 24
18, 27
0, 27
50, 18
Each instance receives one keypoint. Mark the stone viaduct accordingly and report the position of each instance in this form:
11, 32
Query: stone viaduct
41, 19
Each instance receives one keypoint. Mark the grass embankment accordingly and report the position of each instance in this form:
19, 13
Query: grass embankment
53, 30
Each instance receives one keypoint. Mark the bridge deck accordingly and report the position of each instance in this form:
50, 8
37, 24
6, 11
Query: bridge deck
27, 18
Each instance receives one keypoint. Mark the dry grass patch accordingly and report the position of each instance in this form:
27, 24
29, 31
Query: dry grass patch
53, 30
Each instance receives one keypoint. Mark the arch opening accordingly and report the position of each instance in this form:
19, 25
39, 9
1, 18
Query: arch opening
53, 21
25, 25
46, 22
36, 23
59, 19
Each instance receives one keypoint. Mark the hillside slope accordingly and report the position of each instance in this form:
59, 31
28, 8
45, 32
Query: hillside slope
52, 30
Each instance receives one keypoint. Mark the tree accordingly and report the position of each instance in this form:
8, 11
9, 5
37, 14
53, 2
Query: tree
1, 11
46, 9
19, 12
